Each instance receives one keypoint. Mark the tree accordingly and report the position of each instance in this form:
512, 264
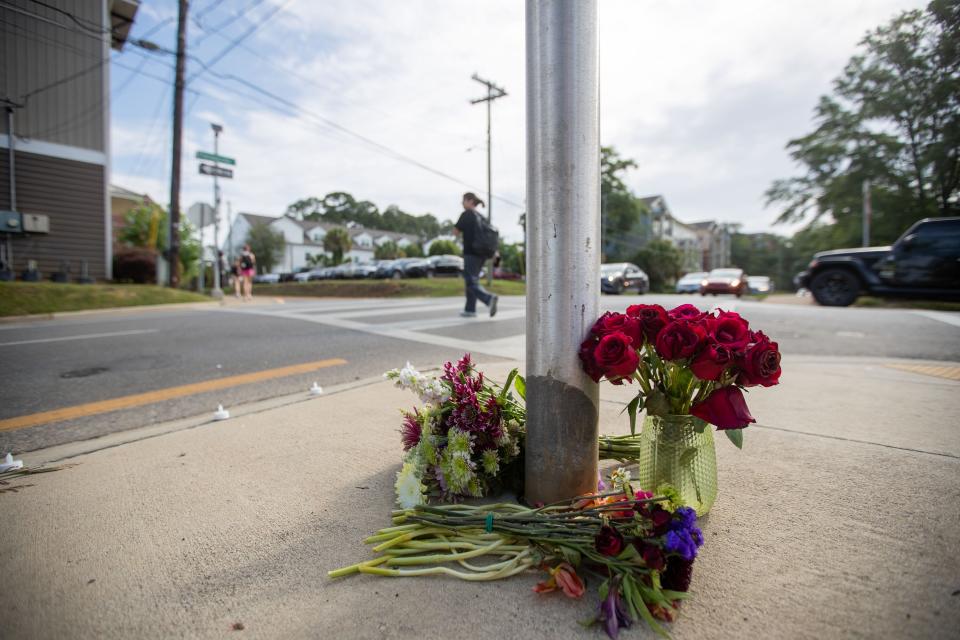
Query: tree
620, 210
445, 247
339, 207
146, 226
266, 244
661, 261
388, 251
893, 118
512, 258
413, 250
337, 243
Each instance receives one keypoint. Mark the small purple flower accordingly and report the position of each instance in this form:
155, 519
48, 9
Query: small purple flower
684, 536
613, 613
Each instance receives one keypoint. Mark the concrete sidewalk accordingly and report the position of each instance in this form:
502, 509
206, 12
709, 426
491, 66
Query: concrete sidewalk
840, 518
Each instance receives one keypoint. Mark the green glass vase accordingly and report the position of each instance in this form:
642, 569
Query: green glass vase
679, 450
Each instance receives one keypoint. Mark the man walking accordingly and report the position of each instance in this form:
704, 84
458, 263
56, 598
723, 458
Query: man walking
477, 238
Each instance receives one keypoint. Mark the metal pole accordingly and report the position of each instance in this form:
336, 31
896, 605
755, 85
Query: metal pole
217, 291
867, 212
7, 262
12, 160
489, 181
177, 138
200, 277
563, 261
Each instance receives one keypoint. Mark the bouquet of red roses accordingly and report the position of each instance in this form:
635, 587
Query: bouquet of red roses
685, 362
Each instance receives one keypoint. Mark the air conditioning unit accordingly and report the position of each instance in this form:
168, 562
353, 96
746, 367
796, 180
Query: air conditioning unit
36, 223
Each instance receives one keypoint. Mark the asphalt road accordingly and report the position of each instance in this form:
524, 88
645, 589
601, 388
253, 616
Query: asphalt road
68, 363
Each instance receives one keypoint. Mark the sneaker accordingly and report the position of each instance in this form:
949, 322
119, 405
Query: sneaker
493, 305
468, 314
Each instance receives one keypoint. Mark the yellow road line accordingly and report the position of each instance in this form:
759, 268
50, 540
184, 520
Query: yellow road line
139, 399
938, 371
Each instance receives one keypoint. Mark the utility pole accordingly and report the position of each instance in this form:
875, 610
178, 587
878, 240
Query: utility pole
174, 253
867, 212
217, 291
563, 261
493, 92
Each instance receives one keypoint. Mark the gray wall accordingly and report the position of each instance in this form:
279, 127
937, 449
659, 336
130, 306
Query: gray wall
35, 53
71, 194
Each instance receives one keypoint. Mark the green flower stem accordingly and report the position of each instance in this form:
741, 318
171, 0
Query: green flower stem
444, 557
434, 571
355, 568
405, 537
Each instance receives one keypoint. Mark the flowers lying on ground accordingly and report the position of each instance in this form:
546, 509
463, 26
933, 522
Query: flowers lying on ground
465, 441
638, 548
685, 362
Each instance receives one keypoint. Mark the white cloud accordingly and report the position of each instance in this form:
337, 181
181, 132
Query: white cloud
703, 95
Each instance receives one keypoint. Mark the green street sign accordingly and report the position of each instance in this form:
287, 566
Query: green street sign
212, 157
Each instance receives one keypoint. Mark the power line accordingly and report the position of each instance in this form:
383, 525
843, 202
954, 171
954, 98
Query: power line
376, 146
236, 41
226, 23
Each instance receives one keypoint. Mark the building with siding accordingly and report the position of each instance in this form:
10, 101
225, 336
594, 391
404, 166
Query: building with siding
303, 240
55, 90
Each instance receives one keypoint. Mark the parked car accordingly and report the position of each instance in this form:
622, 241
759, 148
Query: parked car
417, 268
724, 281
620, 276
389, 269
503, 274
690, 282
308, 274
760, 285
358, 270
266, 278
447, 265
923, 263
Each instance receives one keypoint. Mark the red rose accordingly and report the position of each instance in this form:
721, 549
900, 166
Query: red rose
611, 322
616, 357
730, 330
725, 408
685, 312
760, 363
652, 555
652, 318
680, 339
609, 541
589, 363
712, 362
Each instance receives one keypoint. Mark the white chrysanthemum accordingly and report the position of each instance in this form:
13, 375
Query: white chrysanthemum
620, 479
410, 491
432, 391
409, 378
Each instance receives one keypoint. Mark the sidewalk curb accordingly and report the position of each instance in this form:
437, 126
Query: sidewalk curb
66, 451
173, 306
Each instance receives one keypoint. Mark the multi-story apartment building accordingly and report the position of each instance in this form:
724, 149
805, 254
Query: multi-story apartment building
55, 146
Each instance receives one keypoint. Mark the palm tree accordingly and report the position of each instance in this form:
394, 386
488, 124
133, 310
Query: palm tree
337, 242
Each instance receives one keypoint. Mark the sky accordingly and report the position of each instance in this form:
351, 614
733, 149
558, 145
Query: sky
372, 97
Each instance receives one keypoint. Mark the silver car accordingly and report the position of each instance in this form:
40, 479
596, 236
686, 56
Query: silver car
690, 282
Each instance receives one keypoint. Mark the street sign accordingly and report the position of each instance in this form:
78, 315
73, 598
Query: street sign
220, 172
212, 157
200, 214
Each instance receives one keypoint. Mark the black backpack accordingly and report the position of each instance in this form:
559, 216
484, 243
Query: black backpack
487, 242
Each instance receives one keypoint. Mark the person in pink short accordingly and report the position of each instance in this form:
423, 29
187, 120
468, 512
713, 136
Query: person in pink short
248, 267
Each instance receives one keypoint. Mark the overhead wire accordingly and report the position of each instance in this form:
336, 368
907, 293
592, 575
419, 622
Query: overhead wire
239, 39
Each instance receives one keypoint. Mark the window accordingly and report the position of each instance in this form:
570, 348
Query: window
938, 238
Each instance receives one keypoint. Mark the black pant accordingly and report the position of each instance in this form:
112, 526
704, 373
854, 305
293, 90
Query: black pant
471, 278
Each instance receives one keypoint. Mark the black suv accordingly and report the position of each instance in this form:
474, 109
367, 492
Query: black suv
923, 263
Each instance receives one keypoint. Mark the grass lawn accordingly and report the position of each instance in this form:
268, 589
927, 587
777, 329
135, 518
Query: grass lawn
25, 298
419, 287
